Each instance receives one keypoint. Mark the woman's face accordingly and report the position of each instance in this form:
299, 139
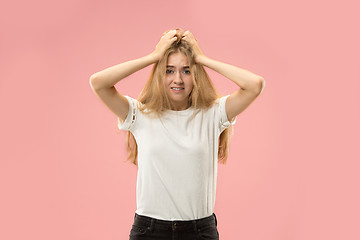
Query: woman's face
178, 80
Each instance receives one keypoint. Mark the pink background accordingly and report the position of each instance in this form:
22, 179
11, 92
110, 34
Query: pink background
293, 167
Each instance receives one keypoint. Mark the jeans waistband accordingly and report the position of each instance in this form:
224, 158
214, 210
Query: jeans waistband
175, 224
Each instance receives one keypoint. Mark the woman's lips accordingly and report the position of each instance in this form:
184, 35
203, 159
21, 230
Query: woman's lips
177, 89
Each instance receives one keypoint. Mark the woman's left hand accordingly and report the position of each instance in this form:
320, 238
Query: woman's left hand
190, 39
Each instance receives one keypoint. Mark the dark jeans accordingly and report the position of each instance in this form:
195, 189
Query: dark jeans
148, 228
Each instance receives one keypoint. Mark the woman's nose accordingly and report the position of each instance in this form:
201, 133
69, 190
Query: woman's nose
178, 77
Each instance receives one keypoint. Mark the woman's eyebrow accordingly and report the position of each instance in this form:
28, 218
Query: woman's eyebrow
170, 66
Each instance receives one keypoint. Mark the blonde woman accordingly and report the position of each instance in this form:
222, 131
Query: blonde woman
178, 129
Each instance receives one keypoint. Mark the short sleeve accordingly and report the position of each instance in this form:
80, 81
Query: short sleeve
130, 120
224, 122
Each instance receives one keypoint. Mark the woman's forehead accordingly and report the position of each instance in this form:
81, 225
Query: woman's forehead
178, 58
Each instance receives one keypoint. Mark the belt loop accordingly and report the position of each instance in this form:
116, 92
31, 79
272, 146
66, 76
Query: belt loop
215, 219
194, 225
152, 224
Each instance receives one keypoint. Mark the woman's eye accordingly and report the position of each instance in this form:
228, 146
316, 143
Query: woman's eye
187, 72
169, 71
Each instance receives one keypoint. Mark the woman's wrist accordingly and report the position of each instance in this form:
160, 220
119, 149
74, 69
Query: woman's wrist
154, 57
201, 59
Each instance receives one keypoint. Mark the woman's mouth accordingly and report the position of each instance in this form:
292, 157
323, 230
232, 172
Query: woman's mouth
175, 89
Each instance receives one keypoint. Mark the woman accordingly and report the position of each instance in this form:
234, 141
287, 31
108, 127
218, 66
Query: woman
178, 130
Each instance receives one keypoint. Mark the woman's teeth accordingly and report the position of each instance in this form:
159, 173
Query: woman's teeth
177, 88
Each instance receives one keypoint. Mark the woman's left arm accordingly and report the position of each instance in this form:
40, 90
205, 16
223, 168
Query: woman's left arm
250, 84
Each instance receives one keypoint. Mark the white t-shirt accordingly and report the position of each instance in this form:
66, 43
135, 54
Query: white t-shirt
177, 160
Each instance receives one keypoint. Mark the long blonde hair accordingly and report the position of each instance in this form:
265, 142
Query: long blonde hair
155, 100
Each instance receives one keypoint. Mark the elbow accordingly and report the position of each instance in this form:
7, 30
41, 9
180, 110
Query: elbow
92, 78
91, 82
261, 85
94, 82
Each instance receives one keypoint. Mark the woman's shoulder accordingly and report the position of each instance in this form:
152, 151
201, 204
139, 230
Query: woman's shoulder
135, 102
216, 102
221, 98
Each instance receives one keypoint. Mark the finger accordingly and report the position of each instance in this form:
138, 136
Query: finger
169, 32
186, 35
190, 34
172, 33
185, 38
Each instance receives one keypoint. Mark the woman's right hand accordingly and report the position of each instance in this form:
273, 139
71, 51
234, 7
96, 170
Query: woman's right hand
165, 42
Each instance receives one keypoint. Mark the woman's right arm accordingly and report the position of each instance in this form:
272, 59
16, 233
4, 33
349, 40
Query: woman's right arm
108, 77
102, 83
